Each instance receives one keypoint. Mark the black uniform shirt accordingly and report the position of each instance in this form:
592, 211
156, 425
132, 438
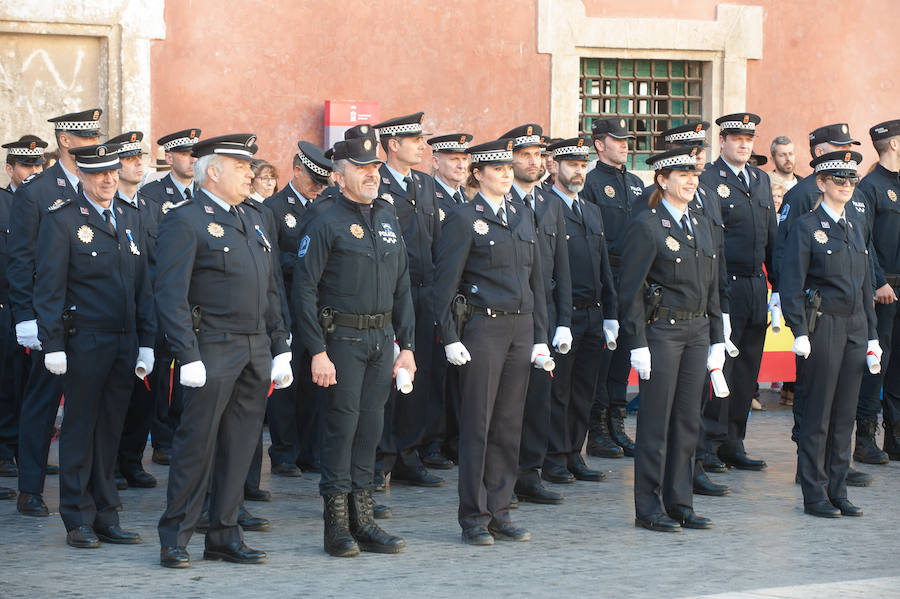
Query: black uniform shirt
614, 190
881, 192
6, 200
288, 208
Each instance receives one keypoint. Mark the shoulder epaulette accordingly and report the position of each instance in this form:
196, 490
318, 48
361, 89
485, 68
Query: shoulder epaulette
250, 204
30, 178
59, 203
167, 206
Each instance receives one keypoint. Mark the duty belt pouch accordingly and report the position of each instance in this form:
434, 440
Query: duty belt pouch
326, 321
68, 321
813, 303
462, 312
652, 302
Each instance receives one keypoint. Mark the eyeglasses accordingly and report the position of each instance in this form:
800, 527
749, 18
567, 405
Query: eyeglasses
841, 180
266, 179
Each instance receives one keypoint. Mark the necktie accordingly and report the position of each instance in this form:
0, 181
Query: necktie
843, 225
107, 216
576, 208
686, 227
529, 200
744, 182
237, 216
187, 193
457, 197
501, 214
410, 188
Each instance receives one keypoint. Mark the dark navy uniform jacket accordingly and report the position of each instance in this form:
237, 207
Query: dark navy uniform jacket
102, 277
6, 200
496, 266
445, 201
162, 191
288, 210
614, 190
592, 281
353, 266
881, 192
818, 255
30, 204
656, 251
205, 257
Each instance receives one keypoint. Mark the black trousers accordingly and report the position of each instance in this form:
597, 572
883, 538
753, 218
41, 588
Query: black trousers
884, 388
668, 416
293, 415
97, 385
36, 422
452, 399
493, 388
536, 425
725, 419
164, 383
436, 408
831, 375
136, 428
254, 474
574, 384
354, 407
13, 374
218, 431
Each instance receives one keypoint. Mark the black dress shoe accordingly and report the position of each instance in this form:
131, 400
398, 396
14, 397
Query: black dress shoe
140, 479
31, 504
114, 534
514, 502
437, 461
742, 461
822, 509
382, 512
161, 456
314, 468
558, 475
289, 470
174, 557
8, 468
121, 483
83, 537
7, 493
236, 552
581, 472
251, 522
712, 463
857, 478
416, 477
507, 531
477, 535
203, 523
658, 522
704, 486
847, 508
378, 480
51, 469
688, 519
257, 494
538, 493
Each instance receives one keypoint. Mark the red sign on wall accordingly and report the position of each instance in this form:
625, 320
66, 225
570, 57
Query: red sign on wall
340, 115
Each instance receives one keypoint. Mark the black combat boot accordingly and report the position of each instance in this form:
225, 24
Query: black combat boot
617, 431
892, 440
600, 444
338, 540
867, 450
369, 535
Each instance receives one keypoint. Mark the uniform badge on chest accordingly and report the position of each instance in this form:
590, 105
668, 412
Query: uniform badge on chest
290, 220
820, 236
215, 229
357, 231
441, 214
723, 190
672, 243
892, 195
387, 233
85, 234
480, 227
610, 191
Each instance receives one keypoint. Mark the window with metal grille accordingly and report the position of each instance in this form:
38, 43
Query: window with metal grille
651, 95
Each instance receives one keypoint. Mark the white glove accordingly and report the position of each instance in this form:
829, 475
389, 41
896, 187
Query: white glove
562, 340
801, 346
457, 354
539, 349
715, 358
875, 347
290, 339
775, 311
55, 362
145, 362
730, 347
282, 375
193, 374
640, 361
611, 332
396, 350
27, 334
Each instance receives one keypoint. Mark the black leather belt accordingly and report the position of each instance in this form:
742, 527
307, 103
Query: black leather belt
362, 321
615, 260
892, 280
586, 306
490, 311
669, 314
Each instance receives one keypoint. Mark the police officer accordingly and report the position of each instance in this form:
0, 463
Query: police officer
611, 187
412, 193
547, 212
292, 413
670, 254
881, 189
748, 214
43, 390
178, 182
450, 162
23, 159
351, 294
826, 254
220, 312
594, 308
489, 252
96, 325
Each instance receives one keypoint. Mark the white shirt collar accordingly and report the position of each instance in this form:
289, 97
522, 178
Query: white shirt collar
831, 213
565, 198
222, 203
73, 179
494, 207
449, 190
737, 170
397, 176
676, 214
179, 186
303, 199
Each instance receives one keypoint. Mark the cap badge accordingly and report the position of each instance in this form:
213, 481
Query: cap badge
480, 227
134, 137
723, 190
31, 146
101, 151
694, 152
462, 139
699, 127
847, 157
746, 118
672, 243
844, 129
96, 115
580, 142
610, 191
367, 145
356, 231
290, 220
363, 129
250, 141
892, 195
193, 134
509, 145
215, 229
622, 123
441, 214
85, 234
820, 236
529, 130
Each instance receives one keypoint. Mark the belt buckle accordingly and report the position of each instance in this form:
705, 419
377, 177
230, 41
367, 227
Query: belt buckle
490, 313
376, 321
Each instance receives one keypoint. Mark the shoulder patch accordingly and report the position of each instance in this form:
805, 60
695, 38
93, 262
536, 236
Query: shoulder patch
169, 206
304, 246
59, 203
785, 208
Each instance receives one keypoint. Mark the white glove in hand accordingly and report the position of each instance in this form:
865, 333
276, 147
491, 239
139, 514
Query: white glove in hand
55, 362
715, 358
640, 361
457, 354
193, 374
539, 349
611, 332
282, 375
801, 346
775, 311
562, 340
145, 362
27, 334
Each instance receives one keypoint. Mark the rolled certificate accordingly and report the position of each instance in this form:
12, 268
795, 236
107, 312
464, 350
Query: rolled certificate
873, 363
610, 341
731, 349
404, 382
564, 348
140, 370
720, 387
396, 351
776, 319
544, 362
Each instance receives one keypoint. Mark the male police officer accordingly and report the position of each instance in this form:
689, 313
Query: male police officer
176, 185
351, 294
43, 390
220, 311
611, 187
96, 325
23, 159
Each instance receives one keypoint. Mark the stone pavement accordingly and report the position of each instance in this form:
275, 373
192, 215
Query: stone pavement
763, 546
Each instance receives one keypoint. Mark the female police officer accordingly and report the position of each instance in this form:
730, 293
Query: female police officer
827, 259
670, 316
488, 251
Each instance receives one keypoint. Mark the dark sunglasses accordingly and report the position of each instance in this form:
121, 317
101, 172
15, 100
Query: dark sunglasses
839, 180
